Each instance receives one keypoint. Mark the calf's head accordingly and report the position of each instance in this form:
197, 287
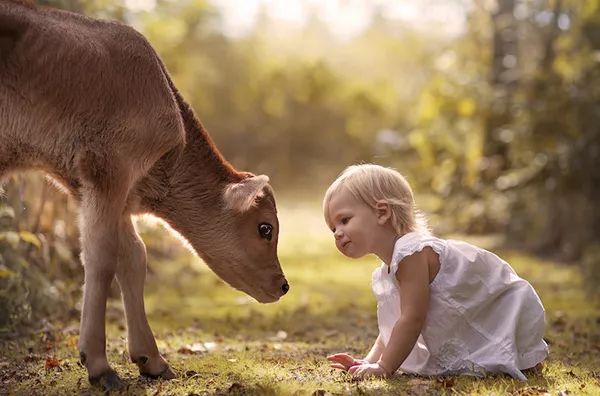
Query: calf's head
248, 258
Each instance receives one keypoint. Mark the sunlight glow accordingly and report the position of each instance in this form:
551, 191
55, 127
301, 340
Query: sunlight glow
344, 18
140, 5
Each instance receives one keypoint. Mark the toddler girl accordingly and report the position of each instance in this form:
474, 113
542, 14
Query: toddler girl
443, 306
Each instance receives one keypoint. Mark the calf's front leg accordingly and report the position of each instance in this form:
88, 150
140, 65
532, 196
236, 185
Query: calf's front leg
98, 227
131, 274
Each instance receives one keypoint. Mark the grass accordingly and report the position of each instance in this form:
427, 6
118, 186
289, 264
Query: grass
221, 342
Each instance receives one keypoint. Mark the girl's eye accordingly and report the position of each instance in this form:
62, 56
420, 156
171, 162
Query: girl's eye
265, 230
345, 220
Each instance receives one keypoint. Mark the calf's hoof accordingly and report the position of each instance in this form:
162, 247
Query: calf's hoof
108, 380
154, 368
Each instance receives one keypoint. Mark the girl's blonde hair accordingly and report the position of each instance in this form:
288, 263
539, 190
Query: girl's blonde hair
370, 183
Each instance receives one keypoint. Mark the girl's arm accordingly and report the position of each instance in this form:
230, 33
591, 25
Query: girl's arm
413, 277
376, 350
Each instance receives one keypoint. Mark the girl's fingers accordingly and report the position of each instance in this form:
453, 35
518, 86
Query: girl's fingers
353, 369
334, 360
345, 360
338, 356
341, 354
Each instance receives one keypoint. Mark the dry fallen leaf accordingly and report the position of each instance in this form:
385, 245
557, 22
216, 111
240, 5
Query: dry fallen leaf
192, 349
51, 362
197, 348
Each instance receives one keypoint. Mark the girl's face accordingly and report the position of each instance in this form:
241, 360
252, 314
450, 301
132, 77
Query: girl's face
354, 224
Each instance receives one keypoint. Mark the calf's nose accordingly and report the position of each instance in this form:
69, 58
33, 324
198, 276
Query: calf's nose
285, 287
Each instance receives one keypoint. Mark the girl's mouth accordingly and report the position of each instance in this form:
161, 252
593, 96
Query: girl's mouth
345, 244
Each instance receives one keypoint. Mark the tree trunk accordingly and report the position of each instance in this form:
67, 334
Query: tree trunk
503, 81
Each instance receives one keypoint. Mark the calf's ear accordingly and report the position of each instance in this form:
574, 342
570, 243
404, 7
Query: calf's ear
242, 196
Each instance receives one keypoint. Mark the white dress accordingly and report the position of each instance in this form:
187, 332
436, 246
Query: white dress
482, 317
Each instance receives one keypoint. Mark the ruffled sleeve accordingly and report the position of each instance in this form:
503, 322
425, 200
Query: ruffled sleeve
411, 243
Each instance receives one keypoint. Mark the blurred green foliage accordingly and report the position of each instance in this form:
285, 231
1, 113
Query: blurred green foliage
40, 276
498, 128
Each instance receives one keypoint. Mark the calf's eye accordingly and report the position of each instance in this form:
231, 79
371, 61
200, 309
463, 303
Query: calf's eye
265, 231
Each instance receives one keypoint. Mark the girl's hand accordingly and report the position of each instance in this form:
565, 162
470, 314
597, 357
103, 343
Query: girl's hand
367, 370
343, 361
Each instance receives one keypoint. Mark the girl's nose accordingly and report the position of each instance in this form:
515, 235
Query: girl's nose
338, 234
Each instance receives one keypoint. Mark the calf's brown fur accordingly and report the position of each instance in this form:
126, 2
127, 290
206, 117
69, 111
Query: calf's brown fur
90, 103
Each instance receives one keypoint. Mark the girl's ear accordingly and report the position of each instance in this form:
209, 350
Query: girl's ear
383, 211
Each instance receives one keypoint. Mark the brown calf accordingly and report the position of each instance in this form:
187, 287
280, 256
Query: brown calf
90, 103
